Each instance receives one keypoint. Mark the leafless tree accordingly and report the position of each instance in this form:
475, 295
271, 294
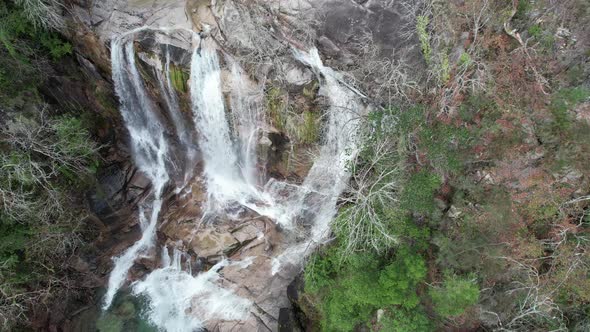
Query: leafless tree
372, 195
45, 14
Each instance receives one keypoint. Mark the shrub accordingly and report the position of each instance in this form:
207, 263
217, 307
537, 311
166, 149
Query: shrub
418, 192
351, 290
39, 216
563, 101
422, 29
402, 320
454, 296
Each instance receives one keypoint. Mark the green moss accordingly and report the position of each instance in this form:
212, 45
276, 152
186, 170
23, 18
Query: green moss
179, 78
275, 105
109, 323
309, 130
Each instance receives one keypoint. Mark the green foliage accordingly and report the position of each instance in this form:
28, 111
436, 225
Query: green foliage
535, 30
39, 215
72, 138
23, 50
472, 240
418, 193
424, 37
524, 6
444, 145
465, 60
403, 320
351, 289
563, 101
479, 104
445, 69
17, 27
454, 296
56, 46
398, 280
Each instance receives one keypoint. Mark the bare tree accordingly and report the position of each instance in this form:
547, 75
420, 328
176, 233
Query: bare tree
44, 14
372, 195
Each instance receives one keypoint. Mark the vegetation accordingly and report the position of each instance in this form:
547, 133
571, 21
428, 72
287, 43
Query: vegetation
47, 161
468, 203
454, 296
422, 29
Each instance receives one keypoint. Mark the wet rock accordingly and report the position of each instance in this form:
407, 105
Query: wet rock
287, 321
246, 233
294, 291
209, 242
298, 76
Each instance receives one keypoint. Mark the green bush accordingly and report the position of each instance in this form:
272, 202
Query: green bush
564, 100
454, 296
402, 320
418, 192
351, 289
40, 209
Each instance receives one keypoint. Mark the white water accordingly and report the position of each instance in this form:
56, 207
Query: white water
327, 178
182, 130
224, 181
149, 149
248, 117
180, 302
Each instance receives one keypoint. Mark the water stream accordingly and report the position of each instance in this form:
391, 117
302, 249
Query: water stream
149, 149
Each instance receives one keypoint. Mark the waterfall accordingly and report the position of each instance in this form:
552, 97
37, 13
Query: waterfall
224, 182
248, 118
182, 130
329, 175
173, 294
317, 198
149, 149
177, 300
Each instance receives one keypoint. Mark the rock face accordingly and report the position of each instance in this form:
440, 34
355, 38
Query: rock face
261, 37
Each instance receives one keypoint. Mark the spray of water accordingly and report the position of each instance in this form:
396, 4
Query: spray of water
221, 171
180, 302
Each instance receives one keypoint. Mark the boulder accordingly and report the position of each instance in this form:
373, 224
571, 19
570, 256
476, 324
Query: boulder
210, 242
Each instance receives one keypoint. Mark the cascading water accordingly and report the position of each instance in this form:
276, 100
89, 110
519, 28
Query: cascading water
248, 119
182, 130
224, 181
317, 197
149, 149
173, 294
